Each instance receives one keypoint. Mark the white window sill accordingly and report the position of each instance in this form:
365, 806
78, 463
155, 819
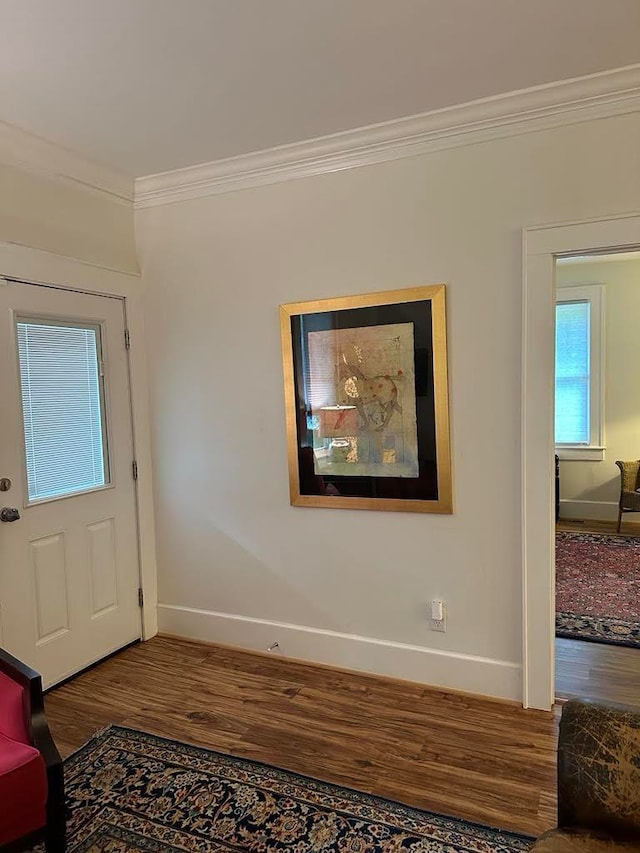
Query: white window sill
581, 454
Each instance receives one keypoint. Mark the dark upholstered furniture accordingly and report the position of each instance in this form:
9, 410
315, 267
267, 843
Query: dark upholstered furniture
629, 488
32, 804
598, 781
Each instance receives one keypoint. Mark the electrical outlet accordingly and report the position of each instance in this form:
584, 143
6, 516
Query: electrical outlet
438, 615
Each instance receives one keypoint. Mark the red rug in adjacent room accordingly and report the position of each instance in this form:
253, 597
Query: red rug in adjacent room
598, 588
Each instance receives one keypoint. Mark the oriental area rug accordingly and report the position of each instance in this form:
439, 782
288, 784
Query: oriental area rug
598, 588
131, 792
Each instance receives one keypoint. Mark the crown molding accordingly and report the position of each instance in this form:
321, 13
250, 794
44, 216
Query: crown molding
565, 102
34, 155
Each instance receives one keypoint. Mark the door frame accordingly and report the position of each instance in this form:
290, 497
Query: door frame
541, 246
39, 267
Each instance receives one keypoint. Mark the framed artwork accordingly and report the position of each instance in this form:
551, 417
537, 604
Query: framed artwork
365, 380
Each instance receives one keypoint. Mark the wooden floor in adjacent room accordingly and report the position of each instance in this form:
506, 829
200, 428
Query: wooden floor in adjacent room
469, 757
588, 525
597, 671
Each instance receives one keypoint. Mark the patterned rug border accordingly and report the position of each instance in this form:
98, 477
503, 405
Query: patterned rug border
626, 539
597, 629
411, 813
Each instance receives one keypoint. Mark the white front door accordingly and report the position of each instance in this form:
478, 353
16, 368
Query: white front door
69, 572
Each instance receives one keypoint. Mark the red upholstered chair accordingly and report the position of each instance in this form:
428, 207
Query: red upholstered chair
32, 805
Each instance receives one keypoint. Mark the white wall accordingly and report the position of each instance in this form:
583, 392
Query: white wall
592, 489
236, 563
66, 218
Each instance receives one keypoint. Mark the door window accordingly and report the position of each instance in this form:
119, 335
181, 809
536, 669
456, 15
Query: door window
62, 386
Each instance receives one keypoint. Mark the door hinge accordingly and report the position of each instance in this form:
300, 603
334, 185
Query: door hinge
140, 597
127, 339
134, 469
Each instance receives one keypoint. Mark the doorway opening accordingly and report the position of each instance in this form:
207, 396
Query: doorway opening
542, 245
597, 477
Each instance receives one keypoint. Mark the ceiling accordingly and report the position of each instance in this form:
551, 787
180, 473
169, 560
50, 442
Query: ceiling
146, 86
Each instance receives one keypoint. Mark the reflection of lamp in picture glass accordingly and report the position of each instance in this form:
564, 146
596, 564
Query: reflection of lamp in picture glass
338, 421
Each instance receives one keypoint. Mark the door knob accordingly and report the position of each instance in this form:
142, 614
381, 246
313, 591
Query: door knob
9, 513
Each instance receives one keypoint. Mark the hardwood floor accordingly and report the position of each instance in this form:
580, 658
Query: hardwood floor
458, 755
597, 671
580, 525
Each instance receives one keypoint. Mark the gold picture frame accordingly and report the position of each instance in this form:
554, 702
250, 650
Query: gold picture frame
366, 401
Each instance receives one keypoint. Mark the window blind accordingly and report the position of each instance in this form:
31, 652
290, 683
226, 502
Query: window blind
572, 373
320, 371
61, 404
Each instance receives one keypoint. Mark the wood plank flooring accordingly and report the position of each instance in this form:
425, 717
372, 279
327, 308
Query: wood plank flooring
629, 527
458, 755
597, 671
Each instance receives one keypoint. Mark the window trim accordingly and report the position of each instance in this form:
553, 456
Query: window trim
594, 294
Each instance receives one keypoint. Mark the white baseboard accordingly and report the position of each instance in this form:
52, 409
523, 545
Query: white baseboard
448, 670
593, 510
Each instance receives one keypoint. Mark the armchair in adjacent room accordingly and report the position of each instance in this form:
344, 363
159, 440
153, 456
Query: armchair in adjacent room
598, 781
629, 488
32, 802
